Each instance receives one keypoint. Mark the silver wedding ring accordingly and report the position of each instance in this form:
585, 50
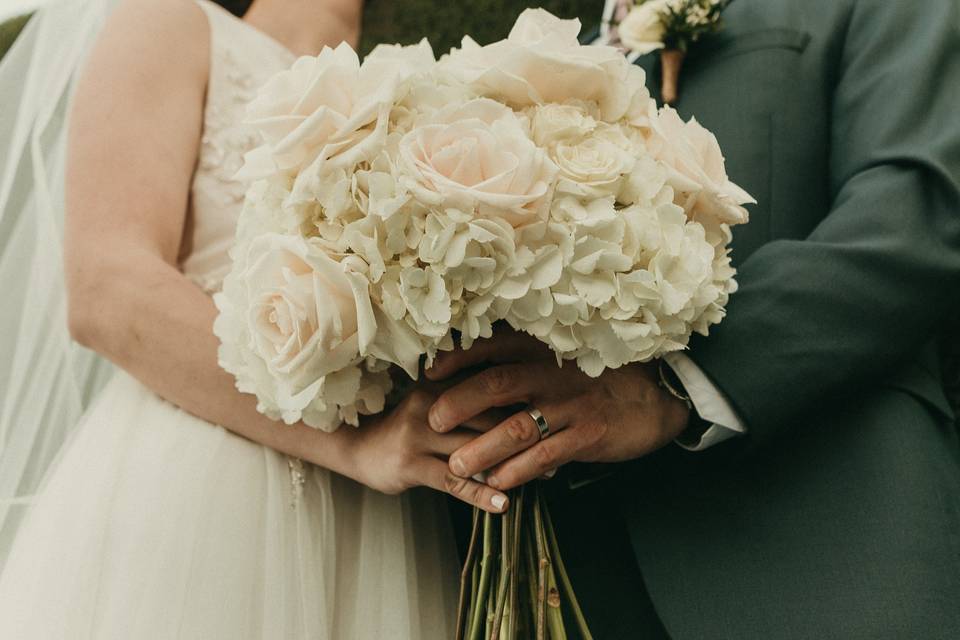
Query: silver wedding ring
542, 425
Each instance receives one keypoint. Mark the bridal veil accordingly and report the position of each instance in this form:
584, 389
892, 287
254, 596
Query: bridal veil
46, 379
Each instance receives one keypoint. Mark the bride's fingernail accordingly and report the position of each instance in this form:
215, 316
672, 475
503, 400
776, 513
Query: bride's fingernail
498, 501
458, 468
550, 474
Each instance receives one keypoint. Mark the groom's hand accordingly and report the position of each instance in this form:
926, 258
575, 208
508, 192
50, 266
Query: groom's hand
619, 416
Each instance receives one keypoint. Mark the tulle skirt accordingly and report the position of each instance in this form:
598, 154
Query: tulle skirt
156, 524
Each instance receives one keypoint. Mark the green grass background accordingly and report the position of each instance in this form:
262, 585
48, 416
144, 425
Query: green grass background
443, 21
9, 31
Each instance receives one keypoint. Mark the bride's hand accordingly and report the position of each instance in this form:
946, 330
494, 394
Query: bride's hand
397, 450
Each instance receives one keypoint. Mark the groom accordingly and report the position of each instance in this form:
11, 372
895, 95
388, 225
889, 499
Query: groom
797, 473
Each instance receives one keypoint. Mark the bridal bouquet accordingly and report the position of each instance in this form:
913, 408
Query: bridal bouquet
404, 204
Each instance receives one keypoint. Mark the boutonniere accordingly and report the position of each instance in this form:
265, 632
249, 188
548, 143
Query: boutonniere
671, 26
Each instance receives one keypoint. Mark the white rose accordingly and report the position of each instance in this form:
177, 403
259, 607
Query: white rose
594, 167
329, 107
478, 158
552, 123
696, 169
429, 94
541, 61
291, 316
642, 30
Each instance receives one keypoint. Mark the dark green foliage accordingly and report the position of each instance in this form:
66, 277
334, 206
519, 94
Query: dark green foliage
445, 22
9, 31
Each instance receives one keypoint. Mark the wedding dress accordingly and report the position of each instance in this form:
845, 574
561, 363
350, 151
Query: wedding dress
157, 524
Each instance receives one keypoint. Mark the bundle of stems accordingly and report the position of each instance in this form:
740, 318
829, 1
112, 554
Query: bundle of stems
514, 585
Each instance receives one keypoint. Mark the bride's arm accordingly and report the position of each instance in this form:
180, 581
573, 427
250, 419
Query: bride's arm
135, 128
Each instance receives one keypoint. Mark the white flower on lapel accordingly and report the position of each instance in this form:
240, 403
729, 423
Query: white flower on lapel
642, 30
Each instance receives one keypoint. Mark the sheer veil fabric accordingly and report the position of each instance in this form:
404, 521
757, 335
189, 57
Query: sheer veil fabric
46, 379
133, 518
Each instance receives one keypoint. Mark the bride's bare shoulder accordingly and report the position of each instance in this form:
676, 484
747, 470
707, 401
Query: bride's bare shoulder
146, 34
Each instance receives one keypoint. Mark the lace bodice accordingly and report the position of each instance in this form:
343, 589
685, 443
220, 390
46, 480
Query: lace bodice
241, 59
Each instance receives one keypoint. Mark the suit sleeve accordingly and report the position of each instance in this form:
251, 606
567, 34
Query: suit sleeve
709, 403
841, 309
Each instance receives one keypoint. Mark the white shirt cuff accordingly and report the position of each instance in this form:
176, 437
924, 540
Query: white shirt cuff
709, 402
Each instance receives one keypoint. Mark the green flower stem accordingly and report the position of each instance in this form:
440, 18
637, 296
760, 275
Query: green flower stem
542, 563
565, 578
505, 521
490, 610
477, 618
468, 573
530, 556
519, 585
474, 593
554, 610
503, 631
515, 564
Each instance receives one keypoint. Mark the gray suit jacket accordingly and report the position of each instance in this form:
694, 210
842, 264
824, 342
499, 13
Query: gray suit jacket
838, 516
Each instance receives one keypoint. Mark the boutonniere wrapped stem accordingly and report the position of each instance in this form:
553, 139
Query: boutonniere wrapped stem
671, 26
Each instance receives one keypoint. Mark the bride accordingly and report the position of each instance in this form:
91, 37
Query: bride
176, 510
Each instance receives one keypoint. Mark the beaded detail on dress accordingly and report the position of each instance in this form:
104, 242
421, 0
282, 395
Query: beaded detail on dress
225, 139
